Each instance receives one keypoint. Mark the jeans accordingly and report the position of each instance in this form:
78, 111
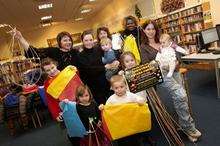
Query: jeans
179, 98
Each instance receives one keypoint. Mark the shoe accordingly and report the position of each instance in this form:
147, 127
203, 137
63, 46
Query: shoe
195, 134
192, 139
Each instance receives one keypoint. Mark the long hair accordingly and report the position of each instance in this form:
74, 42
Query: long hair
61, 35
122, 58
103, 29
144, 38
80, 90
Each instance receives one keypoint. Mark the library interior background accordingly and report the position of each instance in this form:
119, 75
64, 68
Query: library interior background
109, 72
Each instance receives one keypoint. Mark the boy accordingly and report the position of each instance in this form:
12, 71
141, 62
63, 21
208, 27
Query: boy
50, 67
108, 58
121, 95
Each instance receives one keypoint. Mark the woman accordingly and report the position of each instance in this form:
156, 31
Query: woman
91, 68
103, 32
149, 47
64, 54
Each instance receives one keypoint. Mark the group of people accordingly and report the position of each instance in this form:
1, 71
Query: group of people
99, 68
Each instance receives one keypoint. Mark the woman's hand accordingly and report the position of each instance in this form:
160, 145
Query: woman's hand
113, 65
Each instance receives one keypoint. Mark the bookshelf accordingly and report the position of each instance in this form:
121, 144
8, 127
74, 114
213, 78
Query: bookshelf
184, 25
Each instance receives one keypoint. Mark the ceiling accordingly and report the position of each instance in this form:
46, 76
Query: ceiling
25, 15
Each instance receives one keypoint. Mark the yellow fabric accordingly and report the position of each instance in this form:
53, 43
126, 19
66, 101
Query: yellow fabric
126, 119
59, 83
131, 45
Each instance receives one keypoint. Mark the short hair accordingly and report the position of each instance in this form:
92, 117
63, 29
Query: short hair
122, 57
80, 90
117, 78
165, 37
86, 32
48, 61
61, 35
129, 18
105, 41
103, 29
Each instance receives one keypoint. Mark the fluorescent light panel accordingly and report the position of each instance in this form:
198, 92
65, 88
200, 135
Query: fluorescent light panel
79, 19
46, 17
86, 10
46, 24
45, 6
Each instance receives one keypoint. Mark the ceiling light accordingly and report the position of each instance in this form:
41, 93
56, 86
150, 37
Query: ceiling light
45, 6
46, 24
3, 25
46, 17
91, 0
79, 19
85, 10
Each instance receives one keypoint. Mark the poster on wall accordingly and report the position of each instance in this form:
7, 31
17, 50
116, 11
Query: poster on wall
168, 6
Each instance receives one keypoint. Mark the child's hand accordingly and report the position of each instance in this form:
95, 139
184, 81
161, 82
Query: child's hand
121, 72
59, 118
65, 100
101, 107
99, 124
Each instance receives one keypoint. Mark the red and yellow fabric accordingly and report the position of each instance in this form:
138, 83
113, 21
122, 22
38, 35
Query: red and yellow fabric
65, 84
125, 119
131, 45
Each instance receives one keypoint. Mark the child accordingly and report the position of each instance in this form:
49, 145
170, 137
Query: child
87, 110
121, 95
109, 57
167, 60
167, 55
128, 61
50, 67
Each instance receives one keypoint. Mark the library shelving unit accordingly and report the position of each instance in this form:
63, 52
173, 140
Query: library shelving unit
184, 25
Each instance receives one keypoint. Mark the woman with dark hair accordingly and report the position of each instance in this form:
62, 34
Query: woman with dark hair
64, 54
130, 25
91, 68
149, 41
103, 32
150, 46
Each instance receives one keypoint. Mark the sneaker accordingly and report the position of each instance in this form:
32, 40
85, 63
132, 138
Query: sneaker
195, 134
192, 139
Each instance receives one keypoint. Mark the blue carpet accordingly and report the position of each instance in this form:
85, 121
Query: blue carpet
206, 111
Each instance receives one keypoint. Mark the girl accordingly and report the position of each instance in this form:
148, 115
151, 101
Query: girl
128, 61
87, 110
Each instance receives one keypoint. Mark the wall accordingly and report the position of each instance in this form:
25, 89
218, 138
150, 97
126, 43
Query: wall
113, 14
38, 37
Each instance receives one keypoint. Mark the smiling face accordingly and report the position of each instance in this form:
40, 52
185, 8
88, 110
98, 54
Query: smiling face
130, 24
129, 61
51, 69
85, 98
66, 43
150, 31
102, 34
88, 41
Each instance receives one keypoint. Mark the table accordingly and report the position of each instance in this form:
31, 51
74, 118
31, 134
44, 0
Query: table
209, 57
